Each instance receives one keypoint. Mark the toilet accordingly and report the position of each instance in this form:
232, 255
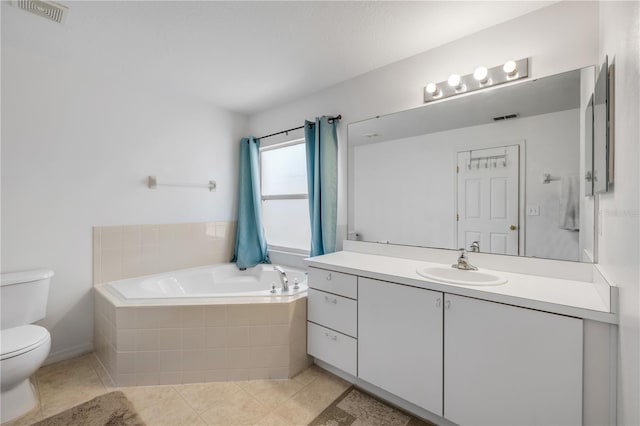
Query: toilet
23, 346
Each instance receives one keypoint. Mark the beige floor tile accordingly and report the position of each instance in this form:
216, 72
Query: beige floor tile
272, 392
143, 397
242, 409
29, 418
309, 375
173, 412
329, 386
273, 419
58, 396
201, 396
60, 372
298, 412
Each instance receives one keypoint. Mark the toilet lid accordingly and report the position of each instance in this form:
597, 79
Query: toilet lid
18, 340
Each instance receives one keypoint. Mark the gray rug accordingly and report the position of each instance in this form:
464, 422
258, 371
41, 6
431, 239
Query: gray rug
110, 409
356, 406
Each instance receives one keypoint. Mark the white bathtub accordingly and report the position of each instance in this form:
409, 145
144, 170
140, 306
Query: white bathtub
220, 280
204, 324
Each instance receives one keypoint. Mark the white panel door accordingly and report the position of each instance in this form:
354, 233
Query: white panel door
400, 341
505, 365
488, 199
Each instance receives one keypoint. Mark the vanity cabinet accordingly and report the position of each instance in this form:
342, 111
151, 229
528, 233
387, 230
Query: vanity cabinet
471, 361
505, 365
332, 318
400, 341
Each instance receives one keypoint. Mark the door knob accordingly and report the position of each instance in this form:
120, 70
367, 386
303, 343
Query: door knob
513, 227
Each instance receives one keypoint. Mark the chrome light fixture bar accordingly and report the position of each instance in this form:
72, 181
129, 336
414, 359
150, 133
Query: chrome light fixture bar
480, 79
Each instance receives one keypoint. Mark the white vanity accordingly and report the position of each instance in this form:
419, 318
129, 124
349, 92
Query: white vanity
505, 354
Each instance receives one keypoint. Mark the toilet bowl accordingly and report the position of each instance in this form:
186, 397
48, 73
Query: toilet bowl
23, 350
23, 346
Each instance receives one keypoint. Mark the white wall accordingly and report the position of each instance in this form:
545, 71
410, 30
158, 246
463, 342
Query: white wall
619, 211
79, 137
396, 197
558, 38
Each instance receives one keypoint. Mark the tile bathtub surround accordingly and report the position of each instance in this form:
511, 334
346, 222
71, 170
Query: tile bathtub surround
130, 251
154, 345
261, 402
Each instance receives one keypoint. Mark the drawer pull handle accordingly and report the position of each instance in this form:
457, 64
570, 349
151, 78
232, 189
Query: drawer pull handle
334, 301
334, 337
329, 277
438, 302
447, 304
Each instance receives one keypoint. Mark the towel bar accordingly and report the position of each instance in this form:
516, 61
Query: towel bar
152, 183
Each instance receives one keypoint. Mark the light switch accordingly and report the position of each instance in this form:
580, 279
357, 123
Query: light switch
533, 210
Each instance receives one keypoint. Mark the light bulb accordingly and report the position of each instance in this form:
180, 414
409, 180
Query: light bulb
481, 74
454, 81
433, 90
510, 68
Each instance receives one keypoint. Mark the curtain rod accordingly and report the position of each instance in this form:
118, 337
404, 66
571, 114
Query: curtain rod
337, 117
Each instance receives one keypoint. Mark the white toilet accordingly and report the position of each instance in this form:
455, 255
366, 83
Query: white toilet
23, 346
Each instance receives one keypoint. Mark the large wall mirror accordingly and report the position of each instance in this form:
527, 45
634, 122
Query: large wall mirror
502, 170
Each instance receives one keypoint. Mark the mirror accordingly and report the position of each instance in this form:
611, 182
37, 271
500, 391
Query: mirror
602, 147
498, 169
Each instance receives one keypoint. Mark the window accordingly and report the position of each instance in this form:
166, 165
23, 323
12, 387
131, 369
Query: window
285, 204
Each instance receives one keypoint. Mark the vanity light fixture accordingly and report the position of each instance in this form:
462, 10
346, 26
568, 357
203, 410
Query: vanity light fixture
481, 78
455, 82
482, 75
510, 68
433, 90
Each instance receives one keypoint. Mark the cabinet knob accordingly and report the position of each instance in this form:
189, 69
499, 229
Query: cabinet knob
438, 302
447, 304
329, 300
513, 227
334, 337
329, 277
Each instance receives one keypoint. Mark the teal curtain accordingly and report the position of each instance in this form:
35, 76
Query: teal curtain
322, 177
251, 244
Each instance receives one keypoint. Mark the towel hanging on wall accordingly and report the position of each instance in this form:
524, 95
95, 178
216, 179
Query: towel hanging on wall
570, 203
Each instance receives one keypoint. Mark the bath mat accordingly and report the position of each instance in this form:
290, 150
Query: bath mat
356, 406
110, 409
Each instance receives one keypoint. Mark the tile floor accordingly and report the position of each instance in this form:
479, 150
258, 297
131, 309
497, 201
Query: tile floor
258, 402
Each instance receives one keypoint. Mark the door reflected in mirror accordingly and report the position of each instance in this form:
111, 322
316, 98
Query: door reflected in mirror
498, 171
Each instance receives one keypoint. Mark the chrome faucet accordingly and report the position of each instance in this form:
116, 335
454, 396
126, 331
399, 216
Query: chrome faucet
463, 262
283, 278
475, 247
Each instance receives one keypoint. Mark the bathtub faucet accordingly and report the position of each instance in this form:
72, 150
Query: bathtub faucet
283, 278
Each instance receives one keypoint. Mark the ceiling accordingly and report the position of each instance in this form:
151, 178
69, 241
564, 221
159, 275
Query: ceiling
251, 56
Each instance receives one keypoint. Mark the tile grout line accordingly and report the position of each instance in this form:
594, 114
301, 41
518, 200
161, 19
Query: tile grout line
187, 402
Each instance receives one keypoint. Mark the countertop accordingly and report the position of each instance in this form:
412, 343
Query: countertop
562, 296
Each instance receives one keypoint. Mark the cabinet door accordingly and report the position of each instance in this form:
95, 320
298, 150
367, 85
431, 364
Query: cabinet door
505, 365
400, 341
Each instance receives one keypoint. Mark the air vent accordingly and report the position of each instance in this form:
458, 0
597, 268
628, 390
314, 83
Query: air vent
47, 9
506, 117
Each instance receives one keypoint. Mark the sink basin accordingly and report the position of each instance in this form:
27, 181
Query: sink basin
458, 276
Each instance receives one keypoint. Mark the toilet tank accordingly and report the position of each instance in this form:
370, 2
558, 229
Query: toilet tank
23, 297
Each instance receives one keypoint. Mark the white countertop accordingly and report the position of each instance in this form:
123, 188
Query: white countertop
566, 297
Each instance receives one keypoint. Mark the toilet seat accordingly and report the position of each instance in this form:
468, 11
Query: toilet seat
16, 341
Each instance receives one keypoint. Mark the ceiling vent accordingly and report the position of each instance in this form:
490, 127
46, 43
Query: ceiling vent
47, 9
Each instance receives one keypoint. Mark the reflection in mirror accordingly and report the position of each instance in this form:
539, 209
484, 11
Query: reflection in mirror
496, 171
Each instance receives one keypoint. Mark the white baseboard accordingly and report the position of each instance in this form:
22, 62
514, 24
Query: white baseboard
69, 353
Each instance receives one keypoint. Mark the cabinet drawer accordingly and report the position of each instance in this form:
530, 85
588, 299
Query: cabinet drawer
334, 282
332, 347
336, 312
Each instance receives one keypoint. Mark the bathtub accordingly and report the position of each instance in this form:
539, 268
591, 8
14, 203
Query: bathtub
203, 324
221, 280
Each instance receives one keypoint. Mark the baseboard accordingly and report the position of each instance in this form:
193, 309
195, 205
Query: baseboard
68, 353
